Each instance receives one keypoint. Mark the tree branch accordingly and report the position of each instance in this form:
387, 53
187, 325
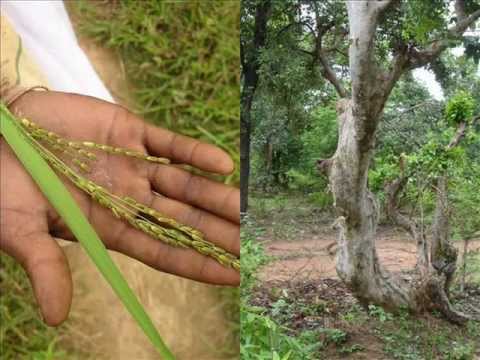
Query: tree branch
287, 27
330, 75
420, 58
458, 136
304, 51
461, 131
409, 58
328, 72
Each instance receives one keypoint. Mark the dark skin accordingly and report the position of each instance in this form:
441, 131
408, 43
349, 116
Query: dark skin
29, 225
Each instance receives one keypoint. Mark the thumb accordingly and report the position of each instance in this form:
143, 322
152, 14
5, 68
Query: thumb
47, 267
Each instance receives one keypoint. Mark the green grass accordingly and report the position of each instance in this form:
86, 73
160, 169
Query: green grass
22, 332
182, 59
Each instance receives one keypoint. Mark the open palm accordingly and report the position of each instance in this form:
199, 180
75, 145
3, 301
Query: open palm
29, 224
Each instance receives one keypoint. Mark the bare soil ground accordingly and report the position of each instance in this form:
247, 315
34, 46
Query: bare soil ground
190, 316
312, 255
302, 273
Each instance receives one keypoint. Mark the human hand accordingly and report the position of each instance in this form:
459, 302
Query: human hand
29, 224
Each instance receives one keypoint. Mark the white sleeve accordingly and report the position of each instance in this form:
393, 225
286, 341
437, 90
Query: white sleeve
47, 33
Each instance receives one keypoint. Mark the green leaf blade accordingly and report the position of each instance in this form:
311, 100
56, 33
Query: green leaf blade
60, 198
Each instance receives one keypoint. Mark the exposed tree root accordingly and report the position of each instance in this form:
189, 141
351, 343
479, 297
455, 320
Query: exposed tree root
440, 301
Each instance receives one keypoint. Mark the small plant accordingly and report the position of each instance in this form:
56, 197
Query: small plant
252, 256
264, 339
335, 336
355, 316
459, 108
379, 313
351, 349
461, 352
322, 199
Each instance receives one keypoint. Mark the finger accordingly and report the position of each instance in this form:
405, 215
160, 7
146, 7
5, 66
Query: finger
47, 267
217, 230
105, 122
217, 198
185, 150
174, 260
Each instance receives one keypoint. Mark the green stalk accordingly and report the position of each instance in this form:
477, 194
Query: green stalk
54, 190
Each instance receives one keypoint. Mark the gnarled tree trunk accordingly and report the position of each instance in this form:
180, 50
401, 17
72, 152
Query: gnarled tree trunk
357, 211
357, 208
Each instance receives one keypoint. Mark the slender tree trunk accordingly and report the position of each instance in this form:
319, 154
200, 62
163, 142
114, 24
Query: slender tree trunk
443, 253
466, 242
245, 133
250, 67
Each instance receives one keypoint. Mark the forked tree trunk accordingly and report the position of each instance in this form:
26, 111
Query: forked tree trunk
357, 208
358, 212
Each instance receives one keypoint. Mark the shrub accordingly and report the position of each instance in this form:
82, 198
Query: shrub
459, 108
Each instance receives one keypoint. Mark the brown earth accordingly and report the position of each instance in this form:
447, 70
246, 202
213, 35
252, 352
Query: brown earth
313, 255
190, 316
302, 274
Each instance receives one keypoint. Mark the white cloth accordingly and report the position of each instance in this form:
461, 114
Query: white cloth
47, 33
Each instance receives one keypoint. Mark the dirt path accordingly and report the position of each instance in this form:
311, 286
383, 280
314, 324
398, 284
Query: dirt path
314, 257
191, 317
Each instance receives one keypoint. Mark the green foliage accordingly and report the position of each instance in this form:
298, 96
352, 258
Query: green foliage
335, 336
423, 19
286, 106
379, 313
385, 170
465, 196
409, 115
264, 339
409, 339
252, 255
294, 160
472, 48
321, 199
319, 139
182, 59
459, 108
355, 316
351, 349
300, 181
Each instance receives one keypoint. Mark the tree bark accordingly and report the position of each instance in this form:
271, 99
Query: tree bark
250, 67
443, 253
357, 208
358, 212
